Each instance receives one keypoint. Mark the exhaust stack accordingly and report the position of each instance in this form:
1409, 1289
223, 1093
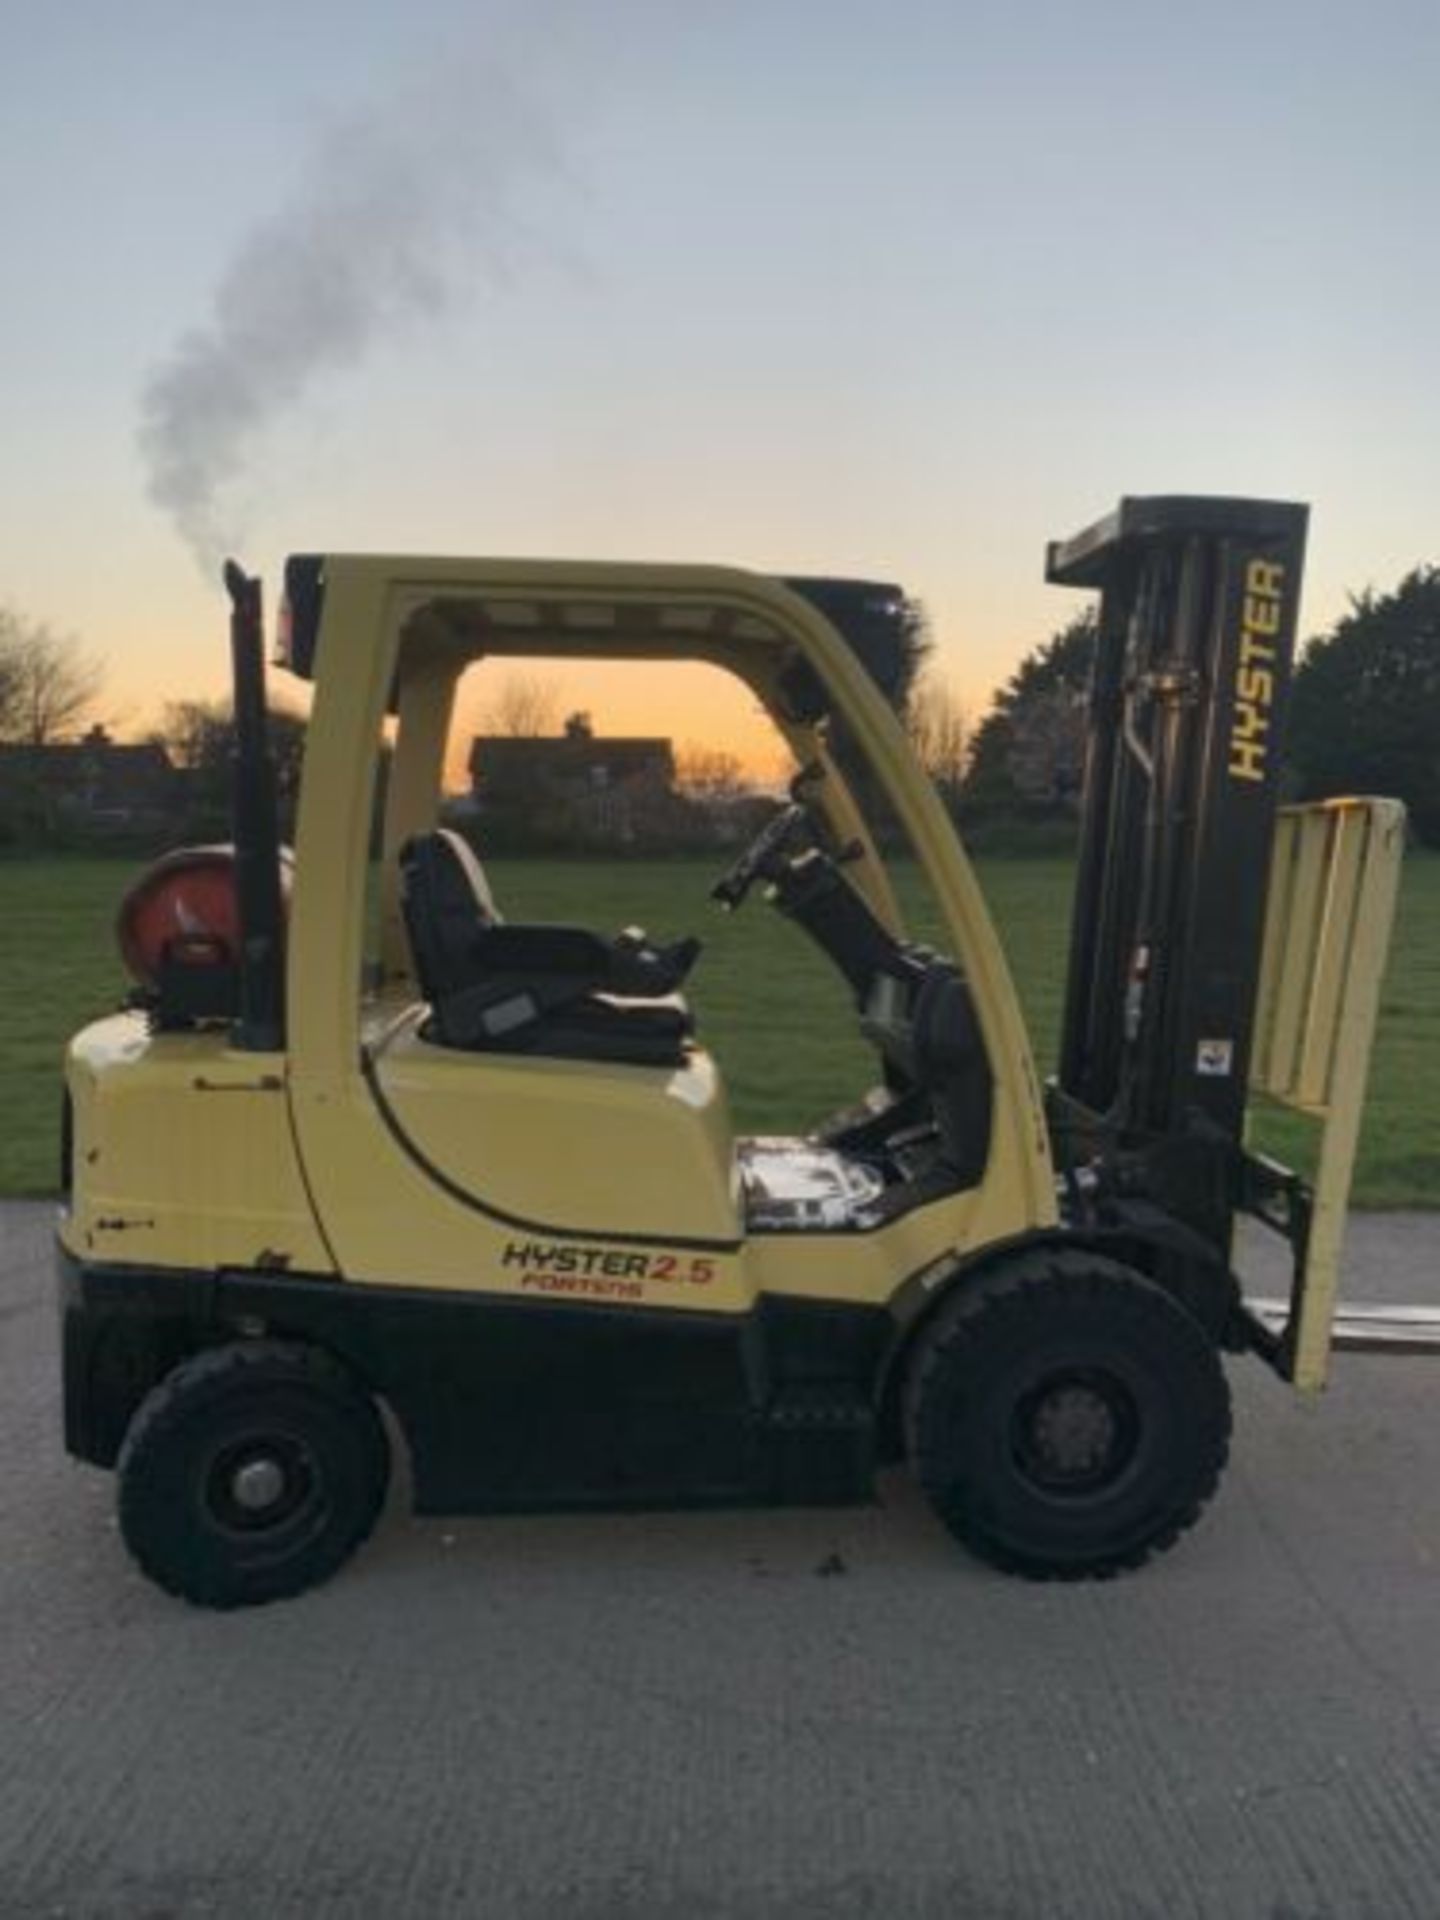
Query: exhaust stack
260, 1025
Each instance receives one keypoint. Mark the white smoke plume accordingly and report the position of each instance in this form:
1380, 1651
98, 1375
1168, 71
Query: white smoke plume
397, 212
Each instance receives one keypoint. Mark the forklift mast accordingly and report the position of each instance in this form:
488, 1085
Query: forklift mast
1195, 647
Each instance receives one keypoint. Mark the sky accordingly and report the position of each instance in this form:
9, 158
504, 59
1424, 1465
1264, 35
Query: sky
899, 290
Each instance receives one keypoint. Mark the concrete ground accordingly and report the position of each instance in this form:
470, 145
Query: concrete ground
797, 1714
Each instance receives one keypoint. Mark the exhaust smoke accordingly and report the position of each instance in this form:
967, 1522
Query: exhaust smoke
397, 212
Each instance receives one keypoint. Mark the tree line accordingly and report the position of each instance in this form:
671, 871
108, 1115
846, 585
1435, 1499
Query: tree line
47, 682
1364, 718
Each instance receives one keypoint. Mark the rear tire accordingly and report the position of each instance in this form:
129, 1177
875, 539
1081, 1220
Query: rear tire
1065, 1417
251, 1472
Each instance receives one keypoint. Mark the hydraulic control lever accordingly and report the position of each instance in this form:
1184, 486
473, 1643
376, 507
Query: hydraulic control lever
758, 860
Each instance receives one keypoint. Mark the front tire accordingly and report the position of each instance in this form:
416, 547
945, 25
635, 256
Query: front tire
1065, 1417
251, 1472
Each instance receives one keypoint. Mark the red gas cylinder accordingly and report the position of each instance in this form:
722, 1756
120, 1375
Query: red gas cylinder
184, 910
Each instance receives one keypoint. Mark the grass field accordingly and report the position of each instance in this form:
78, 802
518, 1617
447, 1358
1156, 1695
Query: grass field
770, 1009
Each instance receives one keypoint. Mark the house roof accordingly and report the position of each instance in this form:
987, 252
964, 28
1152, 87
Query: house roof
65, 756
506, 755
139, 774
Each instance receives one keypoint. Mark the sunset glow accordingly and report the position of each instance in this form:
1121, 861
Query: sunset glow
811, 289
696, 708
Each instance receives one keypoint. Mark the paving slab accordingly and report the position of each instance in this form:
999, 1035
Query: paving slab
752, 1714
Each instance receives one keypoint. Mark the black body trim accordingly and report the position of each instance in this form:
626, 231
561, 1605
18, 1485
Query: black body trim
522, 1403
515, 1403
305, 603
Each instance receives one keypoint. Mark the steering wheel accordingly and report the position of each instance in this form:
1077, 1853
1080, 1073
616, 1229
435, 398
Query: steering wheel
762, 857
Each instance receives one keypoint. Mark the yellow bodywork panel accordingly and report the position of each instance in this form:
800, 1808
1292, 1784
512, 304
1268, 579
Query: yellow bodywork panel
184, 1154
611, 1149
1333, 883
424, 1167
415, 1180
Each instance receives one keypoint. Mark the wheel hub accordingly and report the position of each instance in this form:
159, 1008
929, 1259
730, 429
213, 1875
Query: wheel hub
257, 1484
1074, 1429
1075, 1432
260, 1484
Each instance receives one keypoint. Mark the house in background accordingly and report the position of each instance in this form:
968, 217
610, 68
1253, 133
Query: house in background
614, 792
93, 787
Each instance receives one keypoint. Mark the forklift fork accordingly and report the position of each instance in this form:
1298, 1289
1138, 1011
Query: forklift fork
1334, 877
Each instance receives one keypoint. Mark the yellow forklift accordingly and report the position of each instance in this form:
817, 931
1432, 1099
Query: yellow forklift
360, 1142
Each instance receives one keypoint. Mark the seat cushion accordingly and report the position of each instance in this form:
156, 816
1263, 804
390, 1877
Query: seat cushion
602, 1026
554, 990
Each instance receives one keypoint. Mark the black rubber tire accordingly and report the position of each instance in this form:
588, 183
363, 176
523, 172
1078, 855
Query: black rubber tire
1050, 1336
256, 1402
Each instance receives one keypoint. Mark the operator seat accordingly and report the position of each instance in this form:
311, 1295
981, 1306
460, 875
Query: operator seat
558, 991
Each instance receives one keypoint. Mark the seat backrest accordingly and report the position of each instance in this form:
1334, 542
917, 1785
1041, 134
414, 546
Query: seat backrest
446, 901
